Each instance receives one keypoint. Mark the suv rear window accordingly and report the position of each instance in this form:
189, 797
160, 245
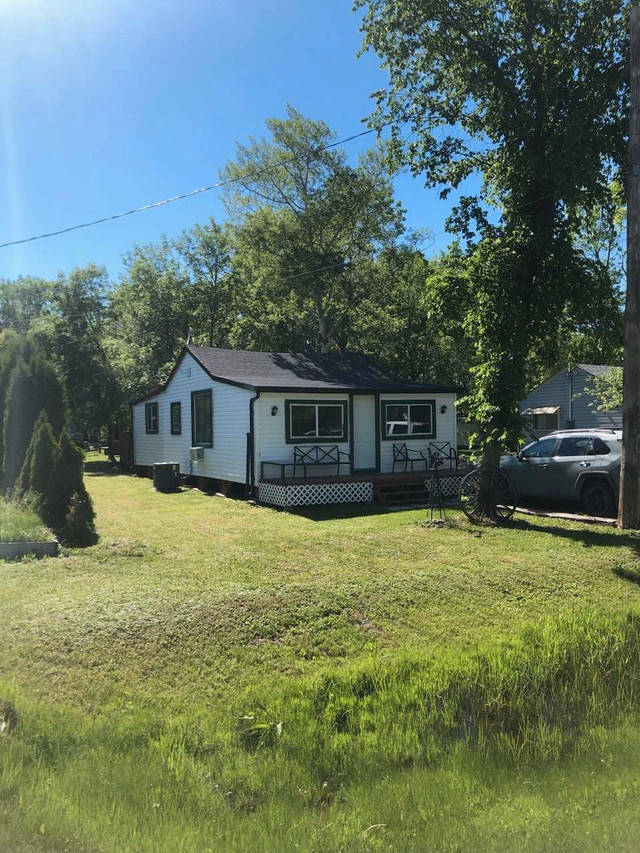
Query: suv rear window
600, 448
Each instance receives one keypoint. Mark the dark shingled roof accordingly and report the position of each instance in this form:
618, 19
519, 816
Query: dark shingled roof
595, 369
296, 371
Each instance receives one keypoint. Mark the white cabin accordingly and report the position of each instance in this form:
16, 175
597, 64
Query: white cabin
249, 417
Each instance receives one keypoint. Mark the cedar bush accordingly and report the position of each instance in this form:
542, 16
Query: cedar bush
79, 528
68, 477
39, 469
33, 387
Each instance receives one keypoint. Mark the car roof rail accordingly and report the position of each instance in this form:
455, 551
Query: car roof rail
589, 429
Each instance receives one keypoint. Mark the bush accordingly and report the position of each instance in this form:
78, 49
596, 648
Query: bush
79, 528
38, 470
34, 386
68, 478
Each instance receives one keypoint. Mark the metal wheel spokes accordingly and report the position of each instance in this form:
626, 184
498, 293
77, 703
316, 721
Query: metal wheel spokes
487, 495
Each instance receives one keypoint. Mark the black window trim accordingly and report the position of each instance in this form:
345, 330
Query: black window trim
320, 439
148, 408
422, 436
176, 406
194, 395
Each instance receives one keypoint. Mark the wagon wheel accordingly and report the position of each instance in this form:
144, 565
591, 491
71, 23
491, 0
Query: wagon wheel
487, 495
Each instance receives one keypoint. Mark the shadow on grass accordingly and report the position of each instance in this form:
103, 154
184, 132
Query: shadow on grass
103, 468
628, 574
600, 537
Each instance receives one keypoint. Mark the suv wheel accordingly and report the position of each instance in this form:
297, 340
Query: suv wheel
598, 499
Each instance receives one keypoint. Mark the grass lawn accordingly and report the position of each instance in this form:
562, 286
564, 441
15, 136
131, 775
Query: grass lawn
133, 664
19, 523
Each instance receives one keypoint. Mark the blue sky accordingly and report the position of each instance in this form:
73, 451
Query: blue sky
110, 104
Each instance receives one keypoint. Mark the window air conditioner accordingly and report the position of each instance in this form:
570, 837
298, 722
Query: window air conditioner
196, 453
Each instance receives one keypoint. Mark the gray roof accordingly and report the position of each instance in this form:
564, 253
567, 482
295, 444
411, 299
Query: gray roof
296, 371
595, 369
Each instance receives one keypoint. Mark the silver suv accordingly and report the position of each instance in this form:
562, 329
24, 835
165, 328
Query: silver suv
572, 464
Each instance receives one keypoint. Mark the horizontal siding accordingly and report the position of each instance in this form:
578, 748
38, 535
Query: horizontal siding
226, 460
271, 444
271, 440
557, 392
445, 427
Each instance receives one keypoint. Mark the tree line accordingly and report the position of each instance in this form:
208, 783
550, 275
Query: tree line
315, 255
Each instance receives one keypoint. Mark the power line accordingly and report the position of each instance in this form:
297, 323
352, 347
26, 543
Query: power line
198, 191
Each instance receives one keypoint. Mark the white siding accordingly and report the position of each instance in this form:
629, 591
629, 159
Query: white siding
271, 439
226, 460
271, 443
558, 391
445, 427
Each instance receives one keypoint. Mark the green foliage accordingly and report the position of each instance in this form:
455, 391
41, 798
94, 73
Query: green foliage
532, 96
79, 525
303, 209
22, 301
73, 334
33, 387
608, 389
39, 470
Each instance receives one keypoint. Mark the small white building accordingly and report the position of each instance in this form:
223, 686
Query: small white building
294, 428
568, 400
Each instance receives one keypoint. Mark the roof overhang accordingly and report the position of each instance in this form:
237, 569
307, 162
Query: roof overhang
542, 410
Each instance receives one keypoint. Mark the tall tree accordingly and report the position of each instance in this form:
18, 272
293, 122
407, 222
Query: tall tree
531, 96
73, 334
308, 218
33, 387
22, 301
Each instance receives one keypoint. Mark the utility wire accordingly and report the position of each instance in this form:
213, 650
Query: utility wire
198, 191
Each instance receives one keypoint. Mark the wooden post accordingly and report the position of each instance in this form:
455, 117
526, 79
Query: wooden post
629, 506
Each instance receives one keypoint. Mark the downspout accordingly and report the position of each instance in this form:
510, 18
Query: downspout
570, 375
250, 485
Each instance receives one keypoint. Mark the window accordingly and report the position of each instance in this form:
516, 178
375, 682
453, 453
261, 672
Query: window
540, 449
202, 418
578, 446
546, 422
313, 421
600, 447
151, 417
411, 419
176, 419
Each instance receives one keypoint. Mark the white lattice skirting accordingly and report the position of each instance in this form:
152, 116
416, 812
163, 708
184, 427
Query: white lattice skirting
313, 494
449, 486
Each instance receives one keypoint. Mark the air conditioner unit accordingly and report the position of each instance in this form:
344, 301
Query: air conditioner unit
196, 453
166, 476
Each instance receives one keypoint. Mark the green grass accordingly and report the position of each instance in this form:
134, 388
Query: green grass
19, 523
219, 676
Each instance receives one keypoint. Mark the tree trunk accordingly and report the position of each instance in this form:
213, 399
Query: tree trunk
629, 506
491, 452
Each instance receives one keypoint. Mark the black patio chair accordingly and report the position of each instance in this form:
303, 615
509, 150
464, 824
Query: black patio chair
442, 454
403, 455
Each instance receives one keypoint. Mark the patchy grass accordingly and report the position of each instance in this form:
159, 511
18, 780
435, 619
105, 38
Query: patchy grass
215, 675
20, 523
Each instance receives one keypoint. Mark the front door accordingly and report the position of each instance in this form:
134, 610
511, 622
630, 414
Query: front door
364, 432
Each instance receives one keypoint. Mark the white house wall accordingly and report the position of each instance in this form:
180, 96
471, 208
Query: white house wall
445, 427
226, 460
271, 443
271, 440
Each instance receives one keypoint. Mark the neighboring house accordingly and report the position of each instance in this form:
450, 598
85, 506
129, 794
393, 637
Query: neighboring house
568, 401
248, 412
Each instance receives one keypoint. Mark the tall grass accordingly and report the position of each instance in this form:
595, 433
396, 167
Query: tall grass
19, 522
242, 778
